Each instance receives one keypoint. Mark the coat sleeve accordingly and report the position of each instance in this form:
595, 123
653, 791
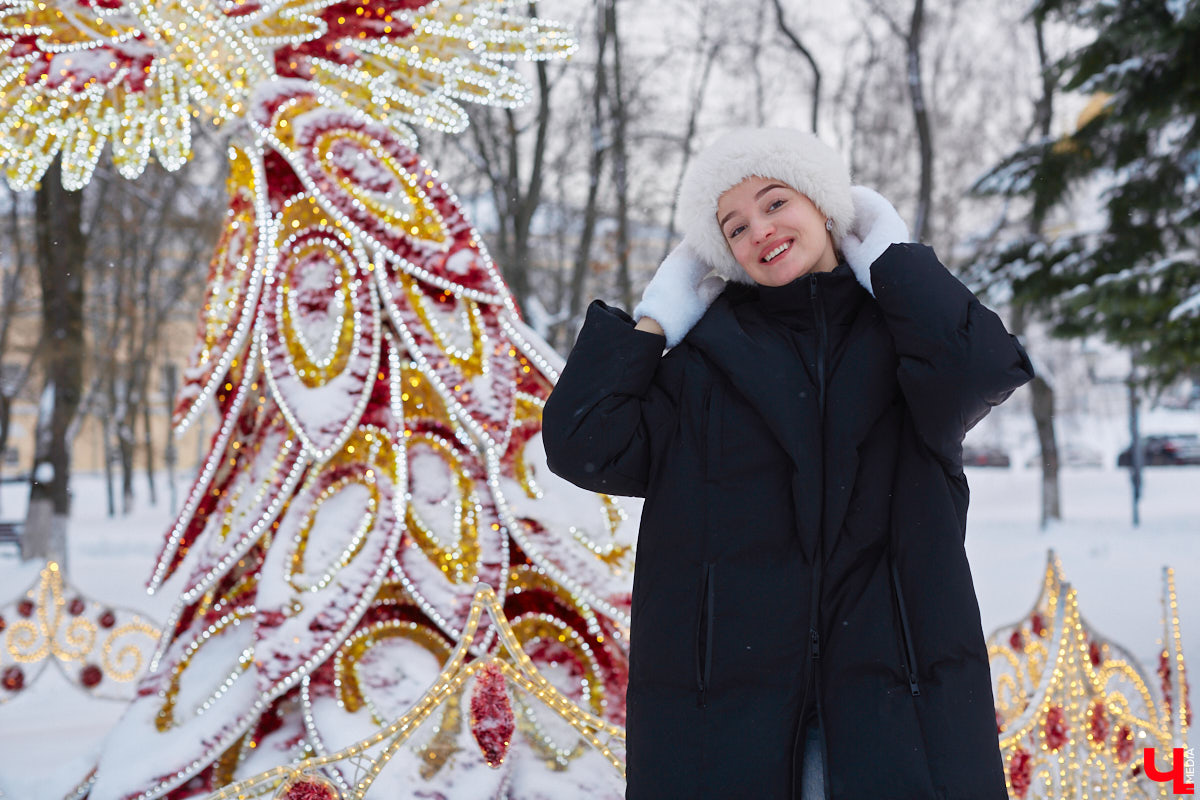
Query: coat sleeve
956, 358
598, 420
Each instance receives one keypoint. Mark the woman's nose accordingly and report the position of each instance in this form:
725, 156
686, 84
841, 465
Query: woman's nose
762, 231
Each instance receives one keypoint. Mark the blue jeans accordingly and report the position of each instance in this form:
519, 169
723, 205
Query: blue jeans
812, 776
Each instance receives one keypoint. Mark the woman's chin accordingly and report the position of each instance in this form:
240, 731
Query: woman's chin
777, 274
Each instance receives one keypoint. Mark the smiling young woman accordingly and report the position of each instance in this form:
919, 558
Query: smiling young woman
804, 621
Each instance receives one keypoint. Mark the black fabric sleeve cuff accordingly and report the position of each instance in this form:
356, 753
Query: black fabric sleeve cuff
625, 358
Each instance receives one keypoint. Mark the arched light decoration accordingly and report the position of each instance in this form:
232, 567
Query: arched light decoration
100, 649
1074, 710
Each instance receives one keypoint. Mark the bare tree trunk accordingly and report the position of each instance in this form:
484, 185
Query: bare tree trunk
756, 49
696, 102
528, 200
921, 116
620, 163
170, 456
109, 452
126, 419
599, 145
791, 36
1043, 392
61, 247
11, 291
148, 440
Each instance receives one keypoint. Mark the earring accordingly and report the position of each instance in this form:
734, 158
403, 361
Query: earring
829, 224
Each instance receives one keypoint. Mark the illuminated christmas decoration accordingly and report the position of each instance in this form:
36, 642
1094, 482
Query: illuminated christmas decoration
102, 650
374, 536
506, 675
1074, 710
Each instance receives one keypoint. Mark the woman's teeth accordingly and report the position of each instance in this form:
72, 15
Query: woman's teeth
771, 255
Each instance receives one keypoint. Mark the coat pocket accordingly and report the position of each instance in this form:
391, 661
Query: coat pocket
910, 657
712, 434
704, 634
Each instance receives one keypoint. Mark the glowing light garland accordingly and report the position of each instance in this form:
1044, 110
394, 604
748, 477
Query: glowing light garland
100, 649
353, 326
1074, 710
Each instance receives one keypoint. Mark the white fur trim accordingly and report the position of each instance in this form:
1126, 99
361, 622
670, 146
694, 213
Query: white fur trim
877, 225
679, 293
797, 158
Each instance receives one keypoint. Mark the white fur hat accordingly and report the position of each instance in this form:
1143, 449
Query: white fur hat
797, 158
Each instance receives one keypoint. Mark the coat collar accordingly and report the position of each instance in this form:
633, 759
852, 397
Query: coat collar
750, 343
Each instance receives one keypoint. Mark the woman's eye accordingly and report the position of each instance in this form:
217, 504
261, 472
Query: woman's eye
776, 204
736, 231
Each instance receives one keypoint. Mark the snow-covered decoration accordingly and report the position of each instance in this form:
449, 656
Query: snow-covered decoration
1074, 710
373, 542
461, 736
101, 649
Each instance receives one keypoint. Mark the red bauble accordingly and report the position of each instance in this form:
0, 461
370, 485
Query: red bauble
108, 619
25, 608
309, 788
1124, 744
1094, 653
1038, 624
492, 721
3, 624
90, 676
76, 606
1017, 641
13, 679
1055, 729
1099, 723
1020, 771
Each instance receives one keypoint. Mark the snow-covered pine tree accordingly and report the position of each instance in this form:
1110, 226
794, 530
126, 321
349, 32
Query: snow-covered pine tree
1135, 276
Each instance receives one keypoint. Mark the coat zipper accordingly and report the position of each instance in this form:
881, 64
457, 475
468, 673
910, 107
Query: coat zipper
911, 667
822, 344
704, 637
814, 635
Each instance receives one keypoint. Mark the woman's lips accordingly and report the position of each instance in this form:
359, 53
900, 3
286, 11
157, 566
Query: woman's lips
774, 250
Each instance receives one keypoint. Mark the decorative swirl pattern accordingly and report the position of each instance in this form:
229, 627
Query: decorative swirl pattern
100, 649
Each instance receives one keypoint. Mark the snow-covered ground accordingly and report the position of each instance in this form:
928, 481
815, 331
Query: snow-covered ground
49, 734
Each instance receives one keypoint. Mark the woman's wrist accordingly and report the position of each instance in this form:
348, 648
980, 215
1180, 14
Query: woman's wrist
649, 325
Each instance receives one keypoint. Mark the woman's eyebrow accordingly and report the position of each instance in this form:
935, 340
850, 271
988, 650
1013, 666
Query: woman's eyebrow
759, 194
766, 189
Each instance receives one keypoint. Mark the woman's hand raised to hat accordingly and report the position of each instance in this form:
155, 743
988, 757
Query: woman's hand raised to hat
679, 294
877, 225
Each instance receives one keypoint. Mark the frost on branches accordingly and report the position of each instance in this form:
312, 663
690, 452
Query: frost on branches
377, 564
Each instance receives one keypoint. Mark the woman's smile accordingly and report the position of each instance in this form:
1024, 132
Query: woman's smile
776, 233
775, 250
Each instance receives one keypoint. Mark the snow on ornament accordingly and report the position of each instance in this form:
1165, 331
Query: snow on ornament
492, 722
379, 398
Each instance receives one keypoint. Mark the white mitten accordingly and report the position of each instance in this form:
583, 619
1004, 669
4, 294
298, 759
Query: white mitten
679, 293
876, 226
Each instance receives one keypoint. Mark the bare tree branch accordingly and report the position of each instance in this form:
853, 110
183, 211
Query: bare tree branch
791, 36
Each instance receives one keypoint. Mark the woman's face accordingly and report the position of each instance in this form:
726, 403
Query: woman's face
774, 232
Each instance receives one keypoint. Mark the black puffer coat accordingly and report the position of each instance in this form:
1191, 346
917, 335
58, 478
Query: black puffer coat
801, 546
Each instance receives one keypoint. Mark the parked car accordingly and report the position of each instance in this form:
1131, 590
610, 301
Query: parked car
1165, 450
984, 456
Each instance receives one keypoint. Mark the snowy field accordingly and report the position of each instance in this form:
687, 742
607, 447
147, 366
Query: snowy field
49, 734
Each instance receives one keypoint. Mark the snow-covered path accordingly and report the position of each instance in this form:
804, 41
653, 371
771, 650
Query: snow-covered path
50, 733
